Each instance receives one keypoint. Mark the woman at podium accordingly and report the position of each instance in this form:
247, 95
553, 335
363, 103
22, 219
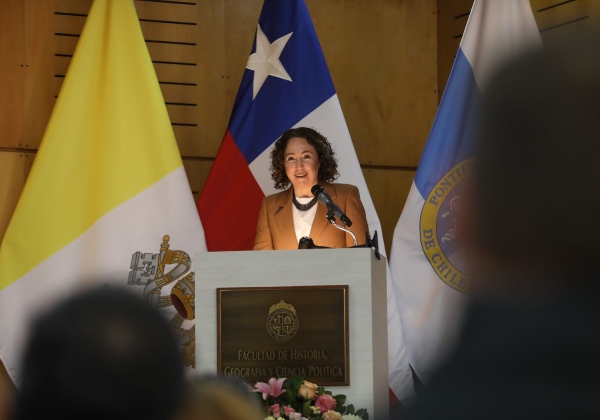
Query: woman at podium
302, 158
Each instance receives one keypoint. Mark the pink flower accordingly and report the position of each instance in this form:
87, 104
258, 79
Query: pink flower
287, 410
325, 403
276, 410
273, 388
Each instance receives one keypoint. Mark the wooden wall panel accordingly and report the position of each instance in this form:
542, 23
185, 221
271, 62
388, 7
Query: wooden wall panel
67, 23
213, 108
14, 168
174, 53
183, 13
452, 19
197, 170
385, 75
172, 93
555, 18
7, 394
65, 45
73, 6
171, 33
60, 65
39, 81
240, 19
180, 93
389, 189
187, 136
382, 58
12, 74
177, 73
179, 33
182, 114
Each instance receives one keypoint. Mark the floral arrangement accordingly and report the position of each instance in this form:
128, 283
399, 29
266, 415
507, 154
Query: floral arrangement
297, 399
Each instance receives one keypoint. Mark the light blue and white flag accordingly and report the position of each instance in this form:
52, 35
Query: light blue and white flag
426, 262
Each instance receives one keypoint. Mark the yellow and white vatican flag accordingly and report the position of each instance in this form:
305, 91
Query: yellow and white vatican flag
107, 200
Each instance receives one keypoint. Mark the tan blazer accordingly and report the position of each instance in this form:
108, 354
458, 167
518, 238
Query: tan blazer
275, 229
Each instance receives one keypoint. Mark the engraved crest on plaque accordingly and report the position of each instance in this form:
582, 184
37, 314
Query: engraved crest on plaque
282, 322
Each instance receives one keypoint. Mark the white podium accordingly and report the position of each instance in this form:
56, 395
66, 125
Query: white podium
358, 268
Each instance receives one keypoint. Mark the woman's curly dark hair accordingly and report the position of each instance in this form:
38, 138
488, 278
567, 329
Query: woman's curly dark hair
328, 171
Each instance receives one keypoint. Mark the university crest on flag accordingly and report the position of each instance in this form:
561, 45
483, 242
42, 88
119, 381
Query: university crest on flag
440, 228
428, 262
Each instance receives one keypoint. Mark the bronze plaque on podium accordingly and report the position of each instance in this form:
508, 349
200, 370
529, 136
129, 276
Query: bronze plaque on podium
265, 332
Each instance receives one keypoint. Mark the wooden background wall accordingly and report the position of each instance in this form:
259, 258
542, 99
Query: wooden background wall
382, 57
389, 60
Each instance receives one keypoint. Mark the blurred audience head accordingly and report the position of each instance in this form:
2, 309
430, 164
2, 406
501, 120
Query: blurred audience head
536, 197
103, 354
214, 397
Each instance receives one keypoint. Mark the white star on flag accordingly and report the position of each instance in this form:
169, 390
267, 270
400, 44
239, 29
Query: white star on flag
265, 61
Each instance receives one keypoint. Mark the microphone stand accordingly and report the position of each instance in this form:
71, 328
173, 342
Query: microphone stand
307, 243
331, 217
370, 243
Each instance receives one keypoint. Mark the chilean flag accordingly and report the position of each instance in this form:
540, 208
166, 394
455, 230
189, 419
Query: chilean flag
286, 84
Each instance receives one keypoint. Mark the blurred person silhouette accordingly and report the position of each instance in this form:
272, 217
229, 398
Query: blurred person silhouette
531, 341
101, 354
215, 397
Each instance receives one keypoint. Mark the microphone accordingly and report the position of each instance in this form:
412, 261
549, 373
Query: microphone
326, 200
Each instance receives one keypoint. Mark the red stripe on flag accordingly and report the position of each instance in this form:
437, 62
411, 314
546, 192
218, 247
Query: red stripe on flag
230, 202
394, 401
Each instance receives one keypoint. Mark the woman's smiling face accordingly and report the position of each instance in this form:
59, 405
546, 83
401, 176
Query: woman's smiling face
301, 162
